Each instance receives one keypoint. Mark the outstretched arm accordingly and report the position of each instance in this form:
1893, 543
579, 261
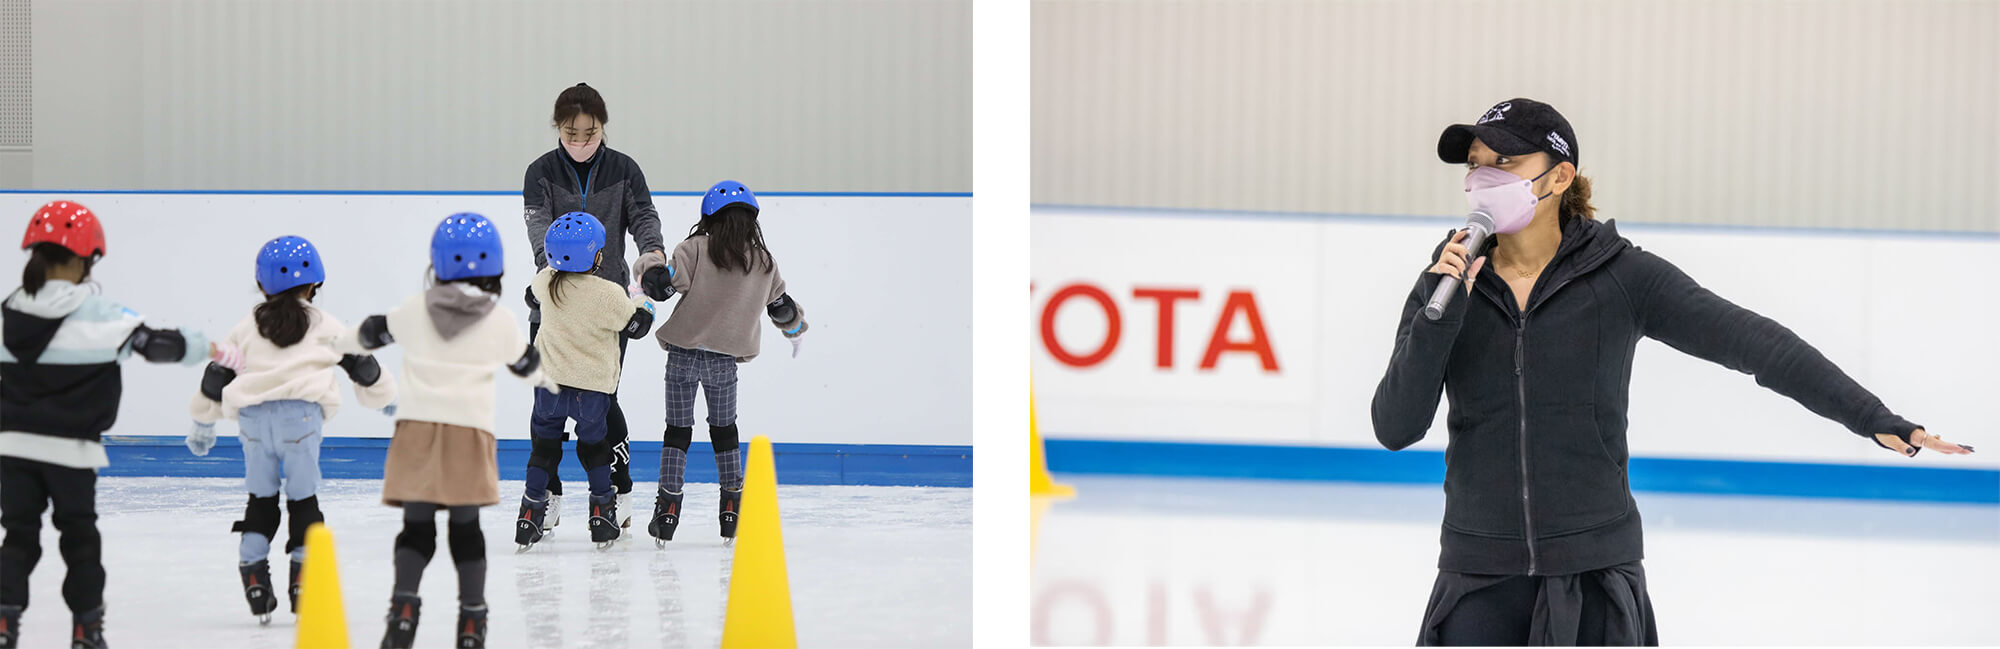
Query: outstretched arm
1676, 310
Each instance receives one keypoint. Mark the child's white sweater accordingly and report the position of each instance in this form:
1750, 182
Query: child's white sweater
450, 380
308, 370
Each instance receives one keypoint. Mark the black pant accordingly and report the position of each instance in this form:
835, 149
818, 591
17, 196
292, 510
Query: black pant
614, 434
26, 488
1608, 607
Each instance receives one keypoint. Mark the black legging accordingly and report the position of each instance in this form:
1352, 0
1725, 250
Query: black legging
615, 433
418, 542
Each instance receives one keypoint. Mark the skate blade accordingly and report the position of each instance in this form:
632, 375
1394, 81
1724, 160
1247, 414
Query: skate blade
524, 549
729, 542
264, 620
660, 543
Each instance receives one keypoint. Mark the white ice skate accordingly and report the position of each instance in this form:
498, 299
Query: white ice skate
554, 514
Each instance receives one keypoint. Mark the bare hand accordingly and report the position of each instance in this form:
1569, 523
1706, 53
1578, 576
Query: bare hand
1452, 262
1923, 439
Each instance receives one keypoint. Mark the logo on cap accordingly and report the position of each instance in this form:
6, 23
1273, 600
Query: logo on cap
1556, 140
1497, 113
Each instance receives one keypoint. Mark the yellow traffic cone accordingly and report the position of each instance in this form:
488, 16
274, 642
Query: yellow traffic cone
322, 619
759, 612
1039, 481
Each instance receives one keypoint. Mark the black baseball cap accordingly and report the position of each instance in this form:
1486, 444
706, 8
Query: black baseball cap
1513, 127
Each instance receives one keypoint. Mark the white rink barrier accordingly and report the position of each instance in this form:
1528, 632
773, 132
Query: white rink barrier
883, 279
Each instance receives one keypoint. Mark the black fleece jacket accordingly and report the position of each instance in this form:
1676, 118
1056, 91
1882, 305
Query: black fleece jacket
1535, 479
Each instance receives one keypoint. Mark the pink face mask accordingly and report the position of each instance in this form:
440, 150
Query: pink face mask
582, 152
1509, 199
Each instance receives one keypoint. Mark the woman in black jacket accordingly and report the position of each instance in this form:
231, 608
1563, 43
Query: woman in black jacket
584, 175
1541, 541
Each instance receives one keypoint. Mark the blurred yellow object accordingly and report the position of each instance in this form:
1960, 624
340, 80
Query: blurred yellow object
1039, 481
759, 612
322, 619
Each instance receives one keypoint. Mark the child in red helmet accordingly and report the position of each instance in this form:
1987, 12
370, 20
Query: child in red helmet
59, 388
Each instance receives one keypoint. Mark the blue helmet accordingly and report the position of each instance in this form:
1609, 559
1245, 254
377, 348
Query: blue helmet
725, 194
573, 241
288, 262
466, 245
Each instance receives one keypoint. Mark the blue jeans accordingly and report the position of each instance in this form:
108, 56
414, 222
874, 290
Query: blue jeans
591, 411
280, 449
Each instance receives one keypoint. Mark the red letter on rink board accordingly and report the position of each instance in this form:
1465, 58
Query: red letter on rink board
1246, 303
1166, 297
1111, 325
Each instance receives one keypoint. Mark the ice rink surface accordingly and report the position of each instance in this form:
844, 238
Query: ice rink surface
1179, 561
869, 567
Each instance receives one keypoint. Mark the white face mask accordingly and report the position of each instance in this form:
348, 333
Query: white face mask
582, 152
1508, 198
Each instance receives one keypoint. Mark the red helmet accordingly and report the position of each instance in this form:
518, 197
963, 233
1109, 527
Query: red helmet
67, 224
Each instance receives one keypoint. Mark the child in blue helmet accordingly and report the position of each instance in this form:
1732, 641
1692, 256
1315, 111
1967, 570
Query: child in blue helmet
454, 338
285, 391
583, 317
727, 279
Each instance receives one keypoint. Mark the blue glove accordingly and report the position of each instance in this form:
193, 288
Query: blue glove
201, 438
389, 410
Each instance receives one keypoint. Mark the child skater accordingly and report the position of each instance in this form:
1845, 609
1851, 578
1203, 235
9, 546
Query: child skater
454, 336
284, 394
583, 317
59, 389
726, 275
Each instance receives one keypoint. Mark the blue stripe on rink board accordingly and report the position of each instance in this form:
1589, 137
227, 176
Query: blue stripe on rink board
902, 465
1730, 477
473, 192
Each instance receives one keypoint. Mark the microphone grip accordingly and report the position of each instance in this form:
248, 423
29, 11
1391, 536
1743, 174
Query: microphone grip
1447, 287
1479, 226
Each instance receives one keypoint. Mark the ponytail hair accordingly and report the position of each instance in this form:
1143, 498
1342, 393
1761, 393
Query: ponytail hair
42, 258
1576, 201
283, 318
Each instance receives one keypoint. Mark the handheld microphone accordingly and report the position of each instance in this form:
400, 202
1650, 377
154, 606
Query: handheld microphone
1478, 226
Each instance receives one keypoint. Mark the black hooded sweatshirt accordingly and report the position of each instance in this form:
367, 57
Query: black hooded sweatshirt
1535, 479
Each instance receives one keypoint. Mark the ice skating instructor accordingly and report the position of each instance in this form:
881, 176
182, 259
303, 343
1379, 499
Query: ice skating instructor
1541, 540
584, 175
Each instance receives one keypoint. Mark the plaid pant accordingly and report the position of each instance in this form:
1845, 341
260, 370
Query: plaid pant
714, 372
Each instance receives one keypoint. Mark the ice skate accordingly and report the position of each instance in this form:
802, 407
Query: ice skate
402, 622
257, 589
297, 567
604, 530
666, 517
472, 627
87, 632
552, 515
10, 627
732, 502
529, 527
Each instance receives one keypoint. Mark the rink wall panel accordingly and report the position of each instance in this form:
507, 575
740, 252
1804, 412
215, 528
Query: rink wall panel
882, 279
1326, 290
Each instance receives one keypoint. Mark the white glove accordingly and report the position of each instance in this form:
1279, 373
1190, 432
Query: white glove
201, 438
795, 344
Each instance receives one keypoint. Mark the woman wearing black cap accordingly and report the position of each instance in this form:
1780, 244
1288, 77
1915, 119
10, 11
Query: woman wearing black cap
1541, 542
584, 175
